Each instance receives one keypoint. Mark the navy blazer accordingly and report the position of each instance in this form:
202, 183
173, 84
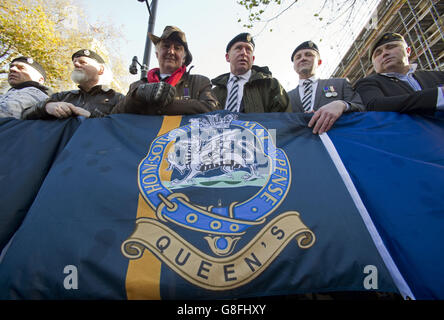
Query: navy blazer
383, 93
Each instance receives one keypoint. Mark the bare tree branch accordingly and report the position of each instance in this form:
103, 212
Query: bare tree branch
5, 52
276, 16
350, 8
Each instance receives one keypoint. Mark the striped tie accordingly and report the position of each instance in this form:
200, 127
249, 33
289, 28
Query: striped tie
232, 99
308, 90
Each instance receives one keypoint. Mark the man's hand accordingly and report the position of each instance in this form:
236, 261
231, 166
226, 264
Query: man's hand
324, 118
64, 110
159, 93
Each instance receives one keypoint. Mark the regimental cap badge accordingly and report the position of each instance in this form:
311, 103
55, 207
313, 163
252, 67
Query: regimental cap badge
30, 60
310, 44
86, 52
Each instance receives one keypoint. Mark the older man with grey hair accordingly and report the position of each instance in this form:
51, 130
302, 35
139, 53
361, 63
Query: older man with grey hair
170, 89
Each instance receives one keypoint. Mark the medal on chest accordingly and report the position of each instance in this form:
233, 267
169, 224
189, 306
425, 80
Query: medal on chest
330, 91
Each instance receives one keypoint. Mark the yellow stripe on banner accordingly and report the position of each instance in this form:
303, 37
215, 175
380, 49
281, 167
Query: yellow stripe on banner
143, 275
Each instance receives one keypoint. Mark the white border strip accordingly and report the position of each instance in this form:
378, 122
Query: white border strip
5, 248
391, 266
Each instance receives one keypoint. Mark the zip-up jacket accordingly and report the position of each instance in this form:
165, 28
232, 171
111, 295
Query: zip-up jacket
262, 92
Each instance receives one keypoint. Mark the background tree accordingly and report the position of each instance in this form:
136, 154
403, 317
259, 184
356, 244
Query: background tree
258, 10
51, 31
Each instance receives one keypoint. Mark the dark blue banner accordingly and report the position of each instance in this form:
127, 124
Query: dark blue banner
222, 206
27, 151
396, 162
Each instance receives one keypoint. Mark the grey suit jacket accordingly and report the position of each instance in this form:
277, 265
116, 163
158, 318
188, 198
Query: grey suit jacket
341, 86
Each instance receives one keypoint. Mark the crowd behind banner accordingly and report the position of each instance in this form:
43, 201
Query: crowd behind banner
171, 89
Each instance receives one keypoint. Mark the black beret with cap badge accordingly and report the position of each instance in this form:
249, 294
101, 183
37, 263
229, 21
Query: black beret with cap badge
242, 37
383, 39
305, 45
88, 53
32, 63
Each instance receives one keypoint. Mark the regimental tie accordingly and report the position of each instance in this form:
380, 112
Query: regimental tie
308, 90
232, 99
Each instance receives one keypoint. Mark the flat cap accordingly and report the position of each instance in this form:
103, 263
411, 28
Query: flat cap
32, 63
88, 53
173, 33
305, 45
383, 39
242, 37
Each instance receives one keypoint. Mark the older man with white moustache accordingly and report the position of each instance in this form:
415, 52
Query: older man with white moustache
93, 98
26, 78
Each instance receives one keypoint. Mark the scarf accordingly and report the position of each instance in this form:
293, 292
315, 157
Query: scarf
153, 75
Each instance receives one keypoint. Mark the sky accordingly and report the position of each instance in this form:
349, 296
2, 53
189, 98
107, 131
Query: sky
210, 24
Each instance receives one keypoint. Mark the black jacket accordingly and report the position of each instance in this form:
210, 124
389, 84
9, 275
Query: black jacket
193, 95
383, 93
98, 101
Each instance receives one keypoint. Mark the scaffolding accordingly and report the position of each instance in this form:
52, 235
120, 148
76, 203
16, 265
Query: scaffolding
421, 22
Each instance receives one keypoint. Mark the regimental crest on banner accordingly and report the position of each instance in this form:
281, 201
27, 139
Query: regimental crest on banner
216, 179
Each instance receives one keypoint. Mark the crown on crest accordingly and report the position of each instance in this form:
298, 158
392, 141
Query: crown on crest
214, 121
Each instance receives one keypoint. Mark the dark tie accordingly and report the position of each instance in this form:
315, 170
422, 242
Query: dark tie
308, 90
232, 99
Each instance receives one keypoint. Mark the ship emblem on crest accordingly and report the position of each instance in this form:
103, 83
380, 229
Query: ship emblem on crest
219, 178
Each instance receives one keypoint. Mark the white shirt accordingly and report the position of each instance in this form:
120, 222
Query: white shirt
314, 86
243, 79
440, 100
164, 75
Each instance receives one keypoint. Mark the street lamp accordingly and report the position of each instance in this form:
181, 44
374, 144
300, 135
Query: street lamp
146, 56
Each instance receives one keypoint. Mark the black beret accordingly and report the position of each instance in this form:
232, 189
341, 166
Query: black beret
305, 45
383, 39
88, 53
242, 37
32, 63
